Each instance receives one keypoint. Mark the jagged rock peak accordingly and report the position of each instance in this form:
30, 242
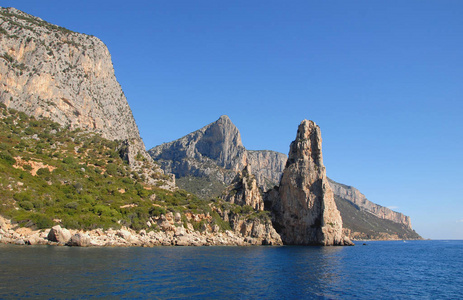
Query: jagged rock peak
304, 209
244, 190
216, 152
224, 118
219, 141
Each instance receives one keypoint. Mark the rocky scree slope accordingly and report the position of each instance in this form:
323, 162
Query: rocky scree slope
50, 72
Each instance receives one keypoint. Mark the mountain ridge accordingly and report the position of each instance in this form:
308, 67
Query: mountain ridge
216, 151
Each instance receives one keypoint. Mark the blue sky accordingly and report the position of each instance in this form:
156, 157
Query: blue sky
383, 79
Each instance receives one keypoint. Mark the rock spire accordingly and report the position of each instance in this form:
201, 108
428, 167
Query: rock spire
304, 209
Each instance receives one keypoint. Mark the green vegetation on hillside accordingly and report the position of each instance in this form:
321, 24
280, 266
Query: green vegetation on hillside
53, 175
204, 187
32, 21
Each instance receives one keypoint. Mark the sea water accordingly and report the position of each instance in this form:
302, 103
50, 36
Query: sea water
377, 270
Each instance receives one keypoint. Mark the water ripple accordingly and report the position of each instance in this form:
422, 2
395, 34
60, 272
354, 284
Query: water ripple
381, 270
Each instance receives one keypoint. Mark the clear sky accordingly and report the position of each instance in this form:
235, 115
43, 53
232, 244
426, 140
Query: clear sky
383, 79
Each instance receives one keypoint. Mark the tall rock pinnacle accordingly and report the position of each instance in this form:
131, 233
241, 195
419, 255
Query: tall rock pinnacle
304, 208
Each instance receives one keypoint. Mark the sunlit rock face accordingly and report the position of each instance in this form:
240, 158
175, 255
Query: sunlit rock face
303, 205
47, 71
244, 190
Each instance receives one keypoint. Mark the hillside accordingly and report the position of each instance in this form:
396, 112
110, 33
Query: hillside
52, 175
49, 172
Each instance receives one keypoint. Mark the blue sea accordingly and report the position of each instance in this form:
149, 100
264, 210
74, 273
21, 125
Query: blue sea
377, 270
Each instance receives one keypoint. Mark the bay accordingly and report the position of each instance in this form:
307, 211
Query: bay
378, 270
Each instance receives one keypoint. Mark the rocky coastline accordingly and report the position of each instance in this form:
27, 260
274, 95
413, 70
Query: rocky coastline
12, 233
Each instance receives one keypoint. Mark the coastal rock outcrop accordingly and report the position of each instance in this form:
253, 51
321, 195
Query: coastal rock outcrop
303, 205
255, 231
245, 232
59, 235
79, 240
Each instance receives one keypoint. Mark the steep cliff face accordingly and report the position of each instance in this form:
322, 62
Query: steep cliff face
359, 224
304, 209
217, 153
244, 190
48, 71
267, 166
206, 152
354, 196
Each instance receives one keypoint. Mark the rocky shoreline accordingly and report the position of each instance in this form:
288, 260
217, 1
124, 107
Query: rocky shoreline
11, 233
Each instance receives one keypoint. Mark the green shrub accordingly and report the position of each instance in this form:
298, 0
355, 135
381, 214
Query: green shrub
71, 205
26, 205
29, 131
42, 221
43, 172
68, 160
7, 158
157, 211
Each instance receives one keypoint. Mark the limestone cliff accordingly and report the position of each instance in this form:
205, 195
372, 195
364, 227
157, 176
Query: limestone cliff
357, 198
216, 152
48, 71
303, 205
267, 166
244, 190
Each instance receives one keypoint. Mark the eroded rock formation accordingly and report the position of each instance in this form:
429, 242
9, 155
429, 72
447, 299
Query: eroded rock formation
303, 205
244, 190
